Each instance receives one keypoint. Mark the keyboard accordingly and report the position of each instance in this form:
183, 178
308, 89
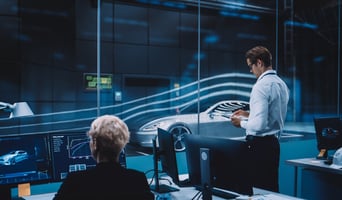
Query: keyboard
225, 194
184, 183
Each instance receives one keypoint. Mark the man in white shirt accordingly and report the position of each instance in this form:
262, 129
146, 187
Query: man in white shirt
268, 107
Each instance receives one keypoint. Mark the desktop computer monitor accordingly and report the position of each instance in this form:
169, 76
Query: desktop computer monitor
23, 159
328, 135
70, 152
228, 163
166, 154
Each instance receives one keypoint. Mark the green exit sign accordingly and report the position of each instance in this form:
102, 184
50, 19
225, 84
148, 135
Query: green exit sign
91, 81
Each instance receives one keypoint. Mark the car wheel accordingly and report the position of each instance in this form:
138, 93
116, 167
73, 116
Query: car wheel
178, 132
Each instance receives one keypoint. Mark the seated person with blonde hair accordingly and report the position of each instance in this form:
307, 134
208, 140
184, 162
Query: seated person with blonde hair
108, 180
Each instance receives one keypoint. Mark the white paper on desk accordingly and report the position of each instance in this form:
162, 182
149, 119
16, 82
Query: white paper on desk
46, 196
268, 197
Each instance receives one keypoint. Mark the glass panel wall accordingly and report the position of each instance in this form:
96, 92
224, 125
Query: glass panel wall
157, 59
228, 29
311, 57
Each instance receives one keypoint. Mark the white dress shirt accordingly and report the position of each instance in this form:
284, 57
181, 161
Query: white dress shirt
268, 106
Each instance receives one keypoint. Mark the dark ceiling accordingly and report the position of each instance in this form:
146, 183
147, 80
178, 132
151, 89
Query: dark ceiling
250, 5
323, 13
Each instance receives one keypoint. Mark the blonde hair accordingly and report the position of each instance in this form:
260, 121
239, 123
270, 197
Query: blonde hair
111, 135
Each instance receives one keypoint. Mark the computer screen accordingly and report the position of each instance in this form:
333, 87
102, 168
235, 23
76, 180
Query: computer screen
228, 162
166, 154
328, 133
24, 159
70, 152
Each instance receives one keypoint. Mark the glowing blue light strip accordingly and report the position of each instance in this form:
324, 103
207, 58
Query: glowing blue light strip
301, 24
238, 15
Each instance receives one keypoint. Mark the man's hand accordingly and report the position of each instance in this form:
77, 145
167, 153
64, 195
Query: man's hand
237, 116
241, 113
235, 121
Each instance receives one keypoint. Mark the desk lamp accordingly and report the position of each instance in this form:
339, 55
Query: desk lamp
19, 109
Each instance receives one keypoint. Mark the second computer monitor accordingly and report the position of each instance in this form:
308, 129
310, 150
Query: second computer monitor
167, 154
70, 152
228, 162
328, 134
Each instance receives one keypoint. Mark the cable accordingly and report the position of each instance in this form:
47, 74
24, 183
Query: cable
152, 179
148, 171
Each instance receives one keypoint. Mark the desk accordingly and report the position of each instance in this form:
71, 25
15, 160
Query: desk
188, 193
45, 196
260, 194
311, 163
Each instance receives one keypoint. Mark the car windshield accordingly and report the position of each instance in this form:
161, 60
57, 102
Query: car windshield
221, 108
192, 108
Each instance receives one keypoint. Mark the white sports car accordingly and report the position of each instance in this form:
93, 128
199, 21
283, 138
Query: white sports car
214, 121
13, 157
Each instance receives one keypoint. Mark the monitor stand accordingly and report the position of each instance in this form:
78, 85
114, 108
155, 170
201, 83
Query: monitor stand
205, 174
162, 188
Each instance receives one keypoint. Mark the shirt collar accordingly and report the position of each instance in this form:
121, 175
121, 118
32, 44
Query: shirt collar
268, 72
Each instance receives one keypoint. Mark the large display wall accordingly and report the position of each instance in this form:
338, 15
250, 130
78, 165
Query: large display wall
162, 57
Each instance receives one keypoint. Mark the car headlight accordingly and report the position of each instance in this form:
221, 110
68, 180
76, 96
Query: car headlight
152, 127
